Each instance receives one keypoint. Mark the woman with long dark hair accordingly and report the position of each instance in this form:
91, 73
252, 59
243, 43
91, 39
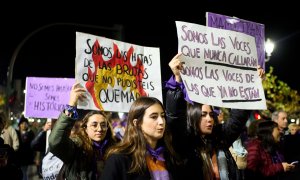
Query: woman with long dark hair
264, 157
201, 142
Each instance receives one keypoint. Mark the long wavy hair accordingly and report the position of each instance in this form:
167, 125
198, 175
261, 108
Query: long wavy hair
87, 143
134, 142
264, 133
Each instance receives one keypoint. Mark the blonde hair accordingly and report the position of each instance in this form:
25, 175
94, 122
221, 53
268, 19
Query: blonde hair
293, 125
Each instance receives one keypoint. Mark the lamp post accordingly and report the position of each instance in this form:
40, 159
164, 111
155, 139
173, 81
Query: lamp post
269, 47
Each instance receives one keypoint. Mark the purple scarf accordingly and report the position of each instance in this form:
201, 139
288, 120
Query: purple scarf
100, 146
156, 153
173, 84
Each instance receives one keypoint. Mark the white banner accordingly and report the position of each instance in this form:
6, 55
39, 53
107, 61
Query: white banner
220, 67
115, 73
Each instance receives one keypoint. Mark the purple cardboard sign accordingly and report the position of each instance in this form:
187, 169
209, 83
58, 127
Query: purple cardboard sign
46, 97
235, 24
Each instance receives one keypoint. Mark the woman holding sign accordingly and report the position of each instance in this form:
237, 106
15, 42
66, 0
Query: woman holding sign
198, 138
145, 151
82, 153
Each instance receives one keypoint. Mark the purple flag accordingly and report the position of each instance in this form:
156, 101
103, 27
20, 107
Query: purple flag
235, 24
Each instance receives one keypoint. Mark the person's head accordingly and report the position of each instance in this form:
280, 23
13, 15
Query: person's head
293, 128
252, 129
268, 133
280, 117
114, 119
201, 118
221, 117
220, 114
146, 124
23, 124
95, 126
48, 124
146, 118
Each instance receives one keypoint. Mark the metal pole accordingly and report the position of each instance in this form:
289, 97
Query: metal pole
10, 69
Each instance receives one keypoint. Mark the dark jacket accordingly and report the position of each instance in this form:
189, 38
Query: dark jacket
25, 153
186, 144
76, 163
9, 167
117, 166
39, 144
291, 149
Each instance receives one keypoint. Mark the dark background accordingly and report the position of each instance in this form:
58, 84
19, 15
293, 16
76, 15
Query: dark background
51, 52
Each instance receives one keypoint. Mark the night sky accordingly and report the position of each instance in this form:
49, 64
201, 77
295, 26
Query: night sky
52, 50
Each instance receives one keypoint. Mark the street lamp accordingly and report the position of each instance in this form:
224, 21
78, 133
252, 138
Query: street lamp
269, 47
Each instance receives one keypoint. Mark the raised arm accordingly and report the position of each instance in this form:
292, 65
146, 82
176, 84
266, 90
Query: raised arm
59, 142
176, 107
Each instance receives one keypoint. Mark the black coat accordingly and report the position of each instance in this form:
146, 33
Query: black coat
117, 166
186, 144
291, 149
9, 167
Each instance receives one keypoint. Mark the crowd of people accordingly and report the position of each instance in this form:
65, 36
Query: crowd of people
181, 140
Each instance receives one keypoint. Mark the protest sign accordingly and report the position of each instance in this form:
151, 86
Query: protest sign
254, 29
220, 67
115, 73
46, 97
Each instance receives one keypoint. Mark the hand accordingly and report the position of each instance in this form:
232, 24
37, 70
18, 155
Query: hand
288, 167
261, 72
77, 92
176, 66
